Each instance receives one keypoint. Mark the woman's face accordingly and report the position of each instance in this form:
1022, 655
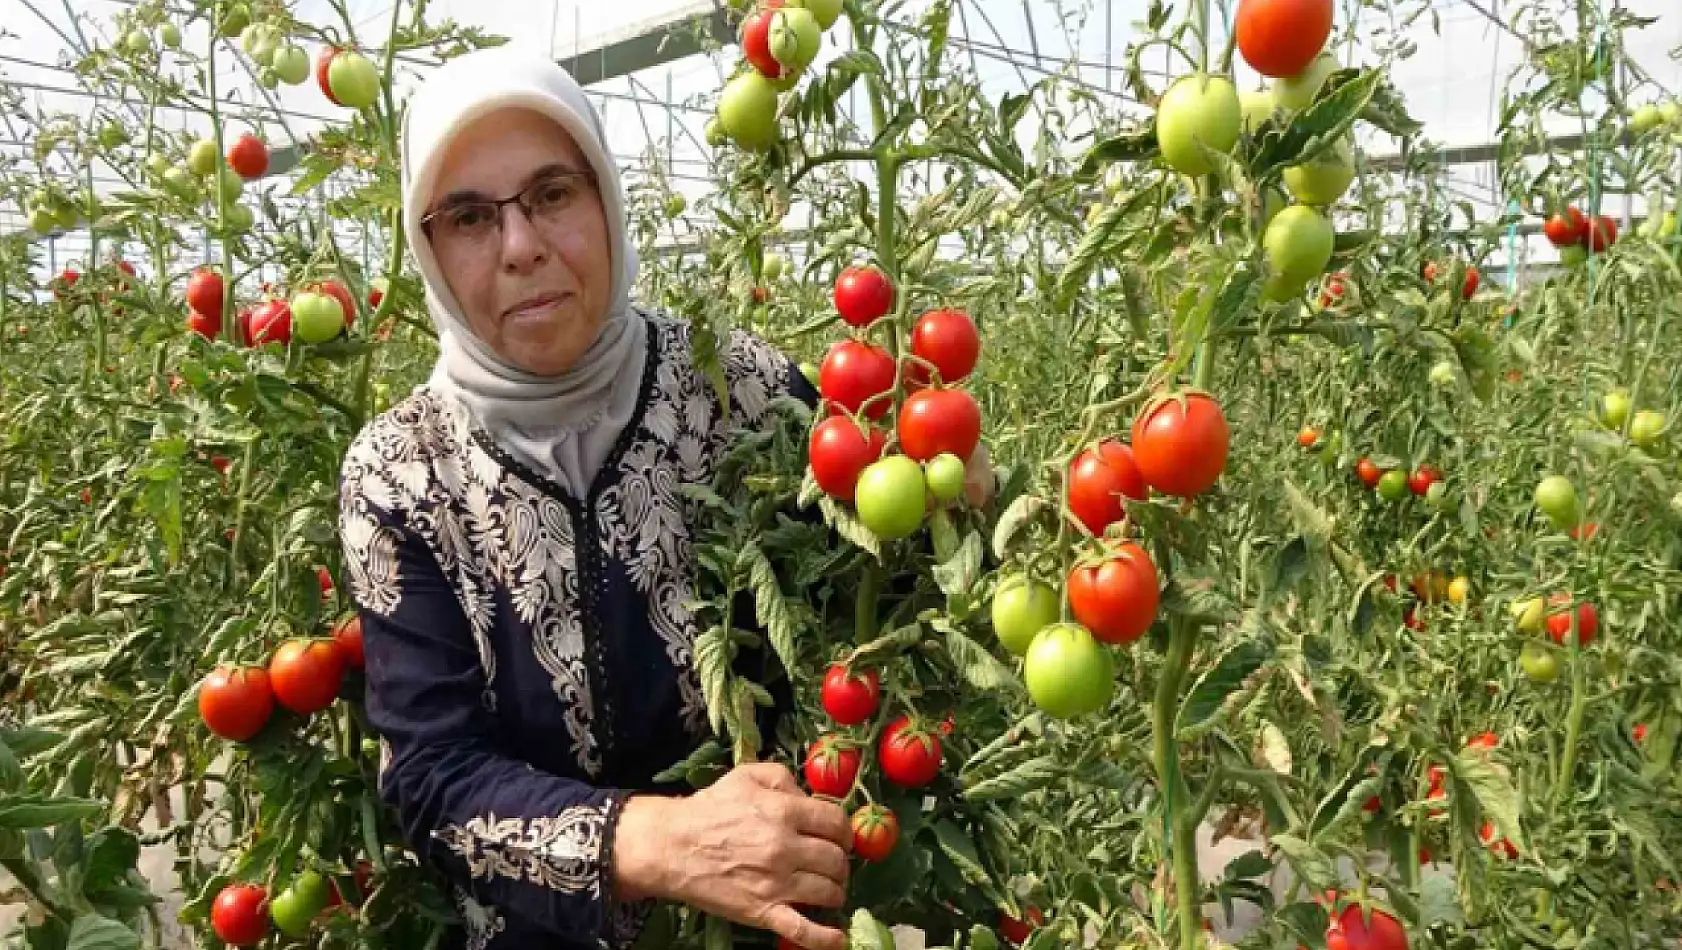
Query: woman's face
535, 291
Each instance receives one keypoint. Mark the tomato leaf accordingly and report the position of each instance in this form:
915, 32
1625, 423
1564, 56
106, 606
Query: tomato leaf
1202, 706
1315, 129
958, 574
1102, 239
1247, 865
1020, 512
710, 755
1314, 523
773, 610
21, 812
1034, 773
1494, 791
980, 668
1135, 145
11, 774
866, 933
1437, 904
111, 854
712, 663
93, 932
1307, 921
1345, 803
849, 527
1310, 863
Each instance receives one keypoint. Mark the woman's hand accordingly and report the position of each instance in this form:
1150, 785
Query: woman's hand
750, 848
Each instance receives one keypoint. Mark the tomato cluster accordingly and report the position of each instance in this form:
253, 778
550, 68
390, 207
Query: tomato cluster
304, 676
1570, 228
779, 41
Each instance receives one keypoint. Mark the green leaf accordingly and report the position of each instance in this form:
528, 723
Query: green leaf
1310, 520
21, 812
1134, 145
958, 846
29, 740
1019, 513
712, 664
1201, 706
1103, 238
111, 854
849, 527
1339, 103
1032, 774
1311, 864
772, 610
1343, 806
980, 668
1437, 902
93, 932
710, 753
1198, 600
1288, 567
11, 774
1306, 921
1246, 865
1493, 790
866, 933
958, 574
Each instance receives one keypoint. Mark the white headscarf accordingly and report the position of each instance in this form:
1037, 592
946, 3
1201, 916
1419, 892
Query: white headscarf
562, 426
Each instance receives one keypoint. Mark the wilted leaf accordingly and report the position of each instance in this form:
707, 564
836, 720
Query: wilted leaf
1310, 863
1238, 663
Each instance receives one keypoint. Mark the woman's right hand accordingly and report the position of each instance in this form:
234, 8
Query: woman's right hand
750, 848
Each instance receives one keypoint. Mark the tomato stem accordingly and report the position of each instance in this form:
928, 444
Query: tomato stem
1182, 640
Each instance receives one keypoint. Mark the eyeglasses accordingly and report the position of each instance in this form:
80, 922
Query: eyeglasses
475, 224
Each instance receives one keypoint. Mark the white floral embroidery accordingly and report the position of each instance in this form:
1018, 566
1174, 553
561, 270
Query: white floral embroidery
561, 852
481, 921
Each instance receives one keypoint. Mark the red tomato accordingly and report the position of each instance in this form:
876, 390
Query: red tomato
1279, 38
1016, 931
306, 674
207, 325
271, 323
221, 463
325, 579
348, 635
1600, 234
1412, 620
1372, 805
242, 326
86, 495
756, 40
1332, 293
1350, 932
1117, 599
1308, 437
947, 339
850, 698
831, 767
1368, 472
248, 157
240, 915
1099, 479
854, 372
1565, 228
324, 62
374, 298
204, 292
1559, 620
1584, 532
341, 293
875, 832
863, 294
1181, 444
235, 703
1422, 478
839, 451
937, 421
1503, 847
1471, 286
1639, 733
909, 756
66, 279
1486, 741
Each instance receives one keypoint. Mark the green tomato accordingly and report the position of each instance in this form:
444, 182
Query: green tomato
890, 497
1573, 255
1528, 614
1331, 446
1324, 179
179, 181
230, 184
203, 158
41, 221
675, 205
291, 65
747, 111
825, 11
1068, 672
317, 318
794, 38
241, 218
296, 907
1670, 112
1442, 374
1297, 92
715, 134
171, 35
1437, 497
1393, 485
1258, 106
1556, 497
137, 43
1541, 665
1646, 428
773, 265
1299, 243
1645, 119
945, 476
1614, 409
1021, 609
112, 135
354, 80
157, 164
1197, 110
235, 18
1273, 201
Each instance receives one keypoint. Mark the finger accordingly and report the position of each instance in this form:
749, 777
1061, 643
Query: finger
821, 819
812, 890
772, 776
785, 921
823, 858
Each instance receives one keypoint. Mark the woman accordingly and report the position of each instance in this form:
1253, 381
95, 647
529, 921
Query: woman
515, 540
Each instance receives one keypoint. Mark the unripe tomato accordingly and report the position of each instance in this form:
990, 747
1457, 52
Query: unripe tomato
909, 755
1308, 437
1614, 409
1556, 497
747, 111
875, 832
306, 674
1022, 608
945, 476
317, 318
1393, 485
1561, 615
831, 767
851, 698
1647, 427
863, 294
1323, 179
341, 293
1197, 109
891, 497
236, 703
1299, 242
1180, 444
1099, 479
1117, 599
1296, 92
240, 914
839, 451
296, 907
1281, 37
354, 81
1540, 664
1528, 614
948, 340
1068, 673
1458, 590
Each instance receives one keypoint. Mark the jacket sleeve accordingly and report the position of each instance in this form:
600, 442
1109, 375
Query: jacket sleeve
531, 844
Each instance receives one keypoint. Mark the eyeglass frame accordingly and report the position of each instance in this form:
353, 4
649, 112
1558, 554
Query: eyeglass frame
543, 177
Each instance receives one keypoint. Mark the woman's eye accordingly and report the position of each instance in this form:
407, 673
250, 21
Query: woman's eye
552, 194
467, 218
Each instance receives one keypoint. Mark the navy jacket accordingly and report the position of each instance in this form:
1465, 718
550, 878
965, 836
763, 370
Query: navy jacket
528, 652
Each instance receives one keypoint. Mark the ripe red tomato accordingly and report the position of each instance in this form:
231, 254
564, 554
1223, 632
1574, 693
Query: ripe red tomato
1639, 733
1350, 932
1565, 228
1471, 286
271, 323
1016, 931
341, 293
235, 703
1584, 532
863, 294
909, 755
204, 292
1600, 234
325, 579
839, 451
831, 767
850, 698
875, 832
1332, 292
1117, 599
375, 295
207, 325
1422, 479
1368, 472
242, 326
248, 157
1559, 620
66, 279
1180, 443
948, 340
306, 674
348, 635
324, 62
1099, 479
1279, 38
937, 421
1503, 847
854, 372
221, 463
1308, 437
240, 915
